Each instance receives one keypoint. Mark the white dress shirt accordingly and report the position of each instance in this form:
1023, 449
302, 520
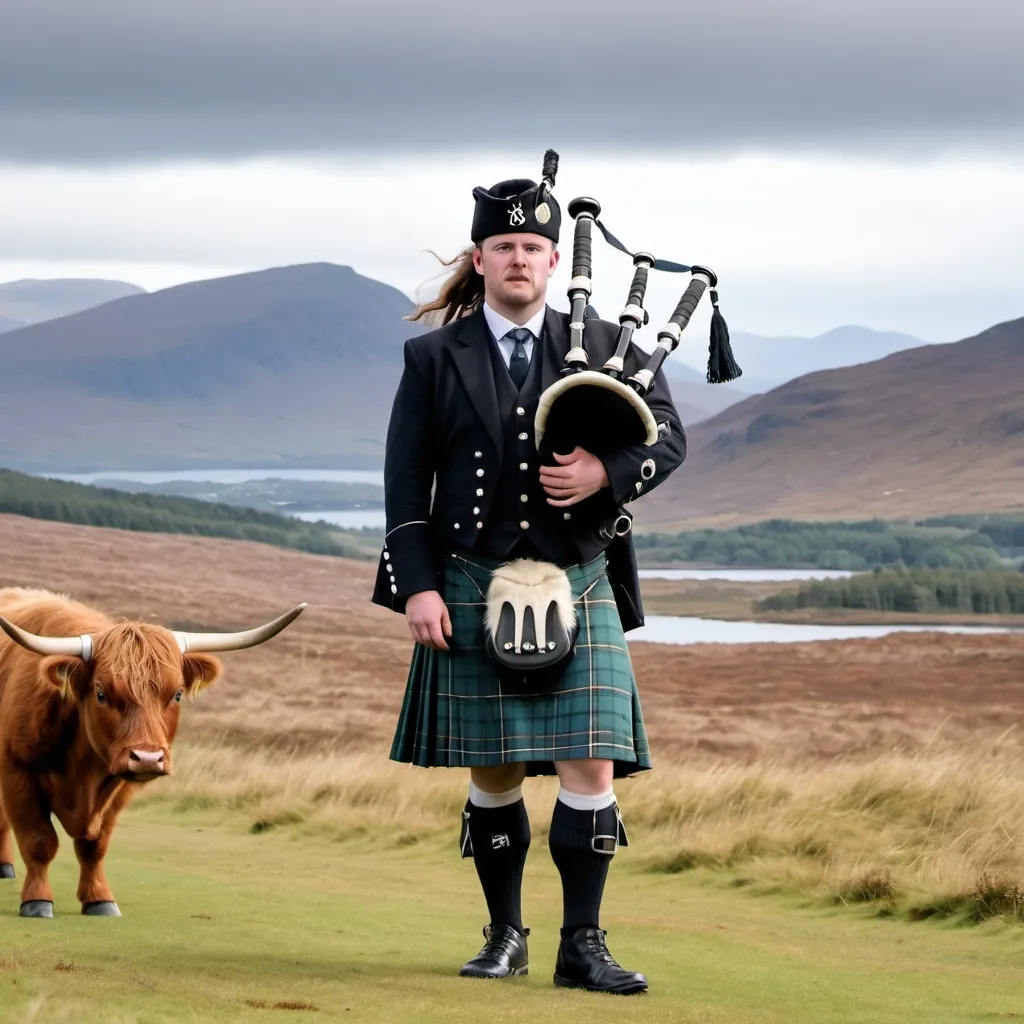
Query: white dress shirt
500, 326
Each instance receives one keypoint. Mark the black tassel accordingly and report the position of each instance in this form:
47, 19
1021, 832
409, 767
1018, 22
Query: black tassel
722, 366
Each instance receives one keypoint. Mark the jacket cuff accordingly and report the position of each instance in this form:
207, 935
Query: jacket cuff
630, 471
407, 563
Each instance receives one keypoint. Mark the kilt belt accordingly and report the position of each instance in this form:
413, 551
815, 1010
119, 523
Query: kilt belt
457, 710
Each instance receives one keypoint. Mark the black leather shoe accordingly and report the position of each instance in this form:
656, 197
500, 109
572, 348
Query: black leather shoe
584, 962
503, 956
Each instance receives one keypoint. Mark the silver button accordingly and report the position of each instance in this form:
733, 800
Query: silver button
520, 411
478, 455
479, 472
525, 525
394, 589
567, 515
523, 436
479, 492
391, 568
524, 465
392, 579
523, 497
476, 511
456, 525
479, 526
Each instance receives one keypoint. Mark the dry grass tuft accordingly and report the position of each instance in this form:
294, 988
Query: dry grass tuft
938, 832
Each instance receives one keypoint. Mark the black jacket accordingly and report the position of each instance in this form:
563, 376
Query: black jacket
445, 446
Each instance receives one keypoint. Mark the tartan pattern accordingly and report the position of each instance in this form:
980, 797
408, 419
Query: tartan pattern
456, 712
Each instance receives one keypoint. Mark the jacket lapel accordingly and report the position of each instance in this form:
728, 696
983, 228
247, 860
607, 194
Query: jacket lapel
472, 358
555, 347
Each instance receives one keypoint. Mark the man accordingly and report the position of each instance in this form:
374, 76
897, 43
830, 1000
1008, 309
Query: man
462, 425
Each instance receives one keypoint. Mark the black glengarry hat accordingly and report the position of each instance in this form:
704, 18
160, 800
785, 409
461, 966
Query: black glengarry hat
519, 205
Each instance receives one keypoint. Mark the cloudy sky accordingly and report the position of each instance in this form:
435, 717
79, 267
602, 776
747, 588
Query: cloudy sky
834, 163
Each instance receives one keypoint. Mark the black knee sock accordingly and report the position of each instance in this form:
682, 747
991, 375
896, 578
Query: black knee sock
501, 838
583, 870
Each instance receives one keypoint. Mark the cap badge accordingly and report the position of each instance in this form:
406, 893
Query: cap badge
516, 217
543, 213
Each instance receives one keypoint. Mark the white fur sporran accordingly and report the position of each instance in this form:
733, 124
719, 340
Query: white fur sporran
530, 622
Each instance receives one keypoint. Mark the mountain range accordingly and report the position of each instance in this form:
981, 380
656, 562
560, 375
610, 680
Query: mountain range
297, 366
290, 366
930, 430
31, 301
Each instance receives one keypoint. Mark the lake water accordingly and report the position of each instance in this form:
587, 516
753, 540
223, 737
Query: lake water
673, 629
744, 575
350, 519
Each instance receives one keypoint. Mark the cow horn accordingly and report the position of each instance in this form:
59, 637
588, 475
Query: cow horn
210, 642
79, 646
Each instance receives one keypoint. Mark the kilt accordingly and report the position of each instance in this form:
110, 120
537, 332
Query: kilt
456, 713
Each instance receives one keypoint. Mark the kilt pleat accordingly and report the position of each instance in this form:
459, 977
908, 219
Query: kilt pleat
456, 712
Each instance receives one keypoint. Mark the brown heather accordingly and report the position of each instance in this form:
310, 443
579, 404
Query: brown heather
886, 773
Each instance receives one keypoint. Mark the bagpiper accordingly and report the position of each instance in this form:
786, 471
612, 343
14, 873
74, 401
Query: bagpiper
499, 558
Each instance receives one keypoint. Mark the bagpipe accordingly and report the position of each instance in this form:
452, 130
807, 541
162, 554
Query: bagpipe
596, 409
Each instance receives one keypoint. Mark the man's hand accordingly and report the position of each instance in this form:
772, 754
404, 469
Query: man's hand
576, 477
427, 615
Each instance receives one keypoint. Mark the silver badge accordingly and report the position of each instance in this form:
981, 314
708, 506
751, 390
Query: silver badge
516, 217
543, 213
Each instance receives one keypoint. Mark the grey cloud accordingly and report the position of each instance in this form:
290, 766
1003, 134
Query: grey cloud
122, 80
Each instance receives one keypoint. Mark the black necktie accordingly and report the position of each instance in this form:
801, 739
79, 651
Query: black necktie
519, 365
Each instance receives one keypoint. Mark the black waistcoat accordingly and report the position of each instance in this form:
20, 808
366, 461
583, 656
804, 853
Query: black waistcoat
515, 527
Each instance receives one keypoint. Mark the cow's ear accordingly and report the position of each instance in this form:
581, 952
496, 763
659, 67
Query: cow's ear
200, 671
66, 673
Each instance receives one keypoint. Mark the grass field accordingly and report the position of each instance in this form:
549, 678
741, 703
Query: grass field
833, 832
224, 924
258, 888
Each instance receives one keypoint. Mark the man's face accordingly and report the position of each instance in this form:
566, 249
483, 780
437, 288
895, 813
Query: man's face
516, 267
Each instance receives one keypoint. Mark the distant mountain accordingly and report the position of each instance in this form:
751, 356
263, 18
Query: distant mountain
32, 301
934, 429
696, 399
768, 362
290, 366
7, 324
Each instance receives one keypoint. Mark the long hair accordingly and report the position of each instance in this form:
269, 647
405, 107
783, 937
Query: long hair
461, 294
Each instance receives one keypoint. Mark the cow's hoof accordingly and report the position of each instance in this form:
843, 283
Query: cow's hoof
36, 908
7, 871
101, 908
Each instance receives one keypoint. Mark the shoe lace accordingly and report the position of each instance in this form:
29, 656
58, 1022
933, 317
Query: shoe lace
597, 945
497, 945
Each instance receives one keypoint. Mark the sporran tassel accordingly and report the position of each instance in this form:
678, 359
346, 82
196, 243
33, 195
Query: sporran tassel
722, 366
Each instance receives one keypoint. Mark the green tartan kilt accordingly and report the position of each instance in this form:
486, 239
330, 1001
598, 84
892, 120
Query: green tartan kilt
457, 714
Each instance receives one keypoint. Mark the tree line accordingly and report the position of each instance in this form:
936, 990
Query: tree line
913, 590
953, 543
84, 505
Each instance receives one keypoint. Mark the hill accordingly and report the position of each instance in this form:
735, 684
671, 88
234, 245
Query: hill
293, 365
66, 502
927, 431
31, 301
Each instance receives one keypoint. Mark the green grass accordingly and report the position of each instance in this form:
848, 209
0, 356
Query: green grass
224, 924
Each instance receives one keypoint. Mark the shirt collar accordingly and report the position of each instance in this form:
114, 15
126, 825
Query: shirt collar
500, 326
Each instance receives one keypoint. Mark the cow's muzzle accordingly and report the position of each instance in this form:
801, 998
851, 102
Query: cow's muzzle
146, 764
